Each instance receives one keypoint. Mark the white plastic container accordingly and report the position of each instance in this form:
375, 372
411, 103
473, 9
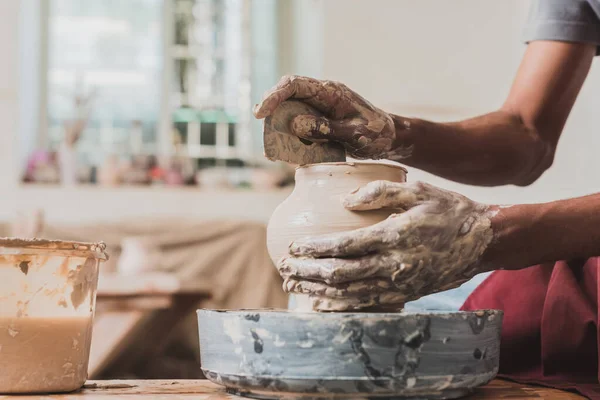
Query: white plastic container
47, 302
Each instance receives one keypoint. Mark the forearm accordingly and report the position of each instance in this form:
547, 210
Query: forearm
516, 144
526, 235
490, 150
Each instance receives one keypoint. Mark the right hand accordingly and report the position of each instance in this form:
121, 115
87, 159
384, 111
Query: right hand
365, 131
435, 242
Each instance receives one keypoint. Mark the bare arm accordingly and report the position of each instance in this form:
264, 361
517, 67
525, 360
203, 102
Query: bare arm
531, 234
515, 144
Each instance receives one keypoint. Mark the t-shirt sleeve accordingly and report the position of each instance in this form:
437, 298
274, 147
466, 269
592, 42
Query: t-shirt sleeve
563, 20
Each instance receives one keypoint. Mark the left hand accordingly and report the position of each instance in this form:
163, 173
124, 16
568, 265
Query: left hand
435, 242
365, 130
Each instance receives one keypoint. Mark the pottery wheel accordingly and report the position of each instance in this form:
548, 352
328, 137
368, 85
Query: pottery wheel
266, 354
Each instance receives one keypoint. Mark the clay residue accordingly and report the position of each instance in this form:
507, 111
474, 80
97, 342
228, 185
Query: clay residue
281, 144
97, 250
83, 281
36, 285
310, 123
24, 267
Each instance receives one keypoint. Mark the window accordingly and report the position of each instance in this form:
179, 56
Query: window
105, 60
175, 78
210, 53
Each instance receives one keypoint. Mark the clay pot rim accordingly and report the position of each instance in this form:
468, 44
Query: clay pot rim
352, 164
57, 247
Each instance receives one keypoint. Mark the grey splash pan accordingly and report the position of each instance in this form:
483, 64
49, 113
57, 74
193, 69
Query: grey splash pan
268, 354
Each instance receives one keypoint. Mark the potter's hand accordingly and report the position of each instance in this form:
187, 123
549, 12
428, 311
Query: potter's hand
365, 131
434, 245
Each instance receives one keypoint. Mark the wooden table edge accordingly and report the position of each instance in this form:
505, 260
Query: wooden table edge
206, 390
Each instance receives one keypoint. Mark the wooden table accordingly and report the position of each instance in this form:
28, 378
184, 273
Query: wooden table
205, 390
123, 305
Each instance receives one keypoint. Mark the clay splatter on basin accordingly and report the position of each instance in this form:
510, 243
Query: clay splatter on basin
269, 354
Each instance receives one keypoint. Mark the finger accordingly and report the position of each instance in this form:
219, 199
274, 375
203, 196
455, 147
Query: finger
354, 133
347, 131
388, 301
343, 290
386, 194
311, 127
409, 272
382, 236
341, 270
343, 244
284, 90
298, 87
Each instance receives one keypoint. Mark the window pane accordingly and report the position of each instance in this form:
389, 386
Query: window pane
112, 50
211, 81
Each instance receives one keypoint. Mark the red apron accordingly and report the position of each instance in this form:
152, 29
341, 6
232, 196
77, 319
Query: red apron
550, 329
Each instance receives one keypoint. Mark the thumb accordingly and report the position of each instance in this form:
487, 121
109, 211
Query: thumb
383, 194
322, 128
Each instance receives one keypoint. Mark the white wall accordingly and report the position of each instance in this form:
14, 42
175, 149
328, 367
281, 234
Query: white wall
447, 60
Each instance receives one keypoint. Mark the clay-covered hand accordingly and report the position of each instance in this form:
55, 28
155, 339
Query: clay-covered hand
365, 130
435, 242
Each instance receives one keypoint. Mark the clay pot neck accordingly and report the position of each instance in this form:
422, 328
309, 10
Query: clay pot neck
348, 171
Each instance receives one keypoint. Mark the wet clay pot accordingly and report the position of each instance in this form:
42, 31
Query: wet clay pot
315, 206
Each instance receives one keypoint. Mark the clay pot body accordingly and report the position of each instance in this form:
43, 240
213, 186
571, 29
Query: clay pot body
315, 206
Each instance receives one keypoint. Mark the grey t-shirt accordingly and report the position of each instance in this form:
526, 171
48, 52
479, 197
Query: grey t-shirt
564, 20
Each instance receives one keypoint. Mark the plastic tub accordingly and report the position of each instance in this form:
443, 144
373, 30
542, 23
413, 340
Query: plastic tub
47, 302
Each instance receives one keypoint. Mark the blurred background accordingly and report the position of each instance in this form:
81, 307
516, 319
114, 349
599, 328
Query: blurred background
129, 121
